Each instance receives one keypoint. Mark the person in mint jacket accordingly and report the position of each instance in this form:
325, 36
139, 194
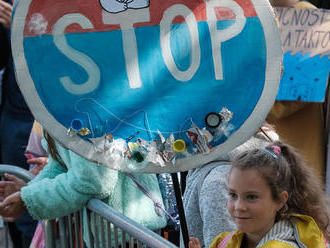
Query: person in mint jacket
68, 182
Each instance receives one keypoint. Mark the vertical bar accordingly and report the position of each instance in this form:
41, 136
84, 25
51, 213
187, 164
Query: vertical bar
179, 203
131, 242
123, 238
139, 244
6, 235
89, 227
115, 230
70, 228
63, 234
49, 233
76, 229
81, 228
109, 234
102, 232
96, 231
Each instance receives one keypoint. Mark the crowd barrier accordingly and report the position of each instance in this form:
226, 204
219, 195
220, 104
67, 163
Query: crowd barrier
20, 173
112, 228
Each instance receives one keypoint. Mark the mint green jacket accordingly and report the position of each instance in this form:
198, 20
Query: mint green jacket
56, 191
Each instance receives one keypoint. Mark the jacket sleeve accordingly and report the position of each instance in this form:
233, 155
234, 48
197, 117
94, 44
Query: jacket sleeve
53, 197
212, 204
51, 170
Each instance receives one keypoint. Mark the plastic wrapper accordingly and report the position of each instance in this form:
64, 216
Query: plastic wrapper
167, 189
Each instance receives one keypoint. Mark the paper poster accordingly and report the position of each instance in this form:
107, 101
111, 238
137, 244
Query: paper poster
148, 86
305, 37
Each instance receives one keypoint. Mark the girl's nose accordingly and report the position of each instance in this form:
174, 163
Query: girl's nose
240, 205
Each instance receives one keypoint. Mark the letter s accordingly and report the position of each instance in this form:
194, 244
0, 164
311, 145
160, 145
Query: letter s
78, 57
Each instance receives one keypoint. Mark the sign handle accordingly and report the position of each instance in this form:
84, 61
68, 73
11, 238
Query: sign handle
182, 217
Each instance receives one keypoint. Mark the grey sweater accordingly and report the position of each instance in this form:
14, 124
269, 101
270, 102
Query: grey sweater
205, 202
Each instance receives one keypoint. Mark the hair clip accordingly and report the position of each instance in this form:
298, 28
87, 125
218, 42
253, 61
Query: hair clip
276, 149
273, 154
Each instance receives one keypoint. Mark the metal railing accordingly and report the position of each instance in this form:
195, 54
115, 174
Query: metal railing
95, 226
16, 171
20, 173
105, 227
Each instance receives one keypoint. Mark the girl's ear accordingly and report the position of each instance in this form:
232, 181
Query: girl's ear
283, 198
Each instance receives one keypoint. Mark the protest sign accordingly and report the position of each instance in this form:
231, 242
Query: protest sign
305, 35
148, 86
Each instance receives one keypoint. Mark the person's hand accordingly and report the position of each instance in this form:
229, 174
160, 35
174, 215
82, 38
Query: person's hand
11, 186
12, 207
39, 163
194, 243
5, 13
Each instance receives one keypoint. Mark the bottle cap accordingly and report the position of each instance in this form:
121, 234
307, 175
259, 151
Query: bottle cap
76, 125
137, 156
179, 145
213, 119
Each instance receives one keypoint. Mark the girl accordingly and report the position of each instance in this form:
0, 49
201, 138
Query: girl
206, 188
275, 201
68, 182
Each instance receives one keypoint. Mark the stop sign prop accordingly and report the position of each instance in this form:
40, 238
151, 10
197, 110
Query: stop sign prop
148, 86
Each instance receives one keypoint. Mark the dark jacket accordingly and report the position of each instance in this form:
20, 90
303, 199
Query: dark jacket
15, 117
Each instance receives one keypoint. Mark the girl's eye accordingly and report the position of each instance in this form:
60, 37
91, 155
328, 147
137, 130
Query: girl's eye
232, 195
252, 197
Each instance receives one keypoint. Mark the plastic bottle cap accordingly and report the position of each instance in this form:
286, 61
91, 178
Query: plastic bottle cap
179, 145
213, 119
137, 156
76, 124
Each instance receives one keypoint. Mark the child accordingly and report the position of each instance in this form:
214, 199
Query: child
275, 201
206, 188
36, 155
68, 182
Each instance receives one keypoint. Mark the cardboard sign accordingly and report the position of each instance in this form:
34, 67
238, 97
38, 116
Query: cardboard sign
121, 84
305, 37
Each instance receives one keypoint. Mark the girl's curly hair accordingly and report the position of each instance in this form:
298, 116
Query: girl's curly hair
284, 170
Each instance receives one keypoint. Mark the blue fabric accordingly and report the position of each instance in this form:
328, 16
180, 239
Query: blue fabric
26, 226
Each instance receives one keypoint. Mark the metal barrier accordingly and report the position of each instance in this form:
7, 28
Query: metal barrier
105, 227
16, 171
96, 226
20, 173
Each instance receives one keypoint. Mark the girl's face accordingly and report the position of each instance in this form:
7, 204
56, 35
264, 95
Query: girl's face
250, 202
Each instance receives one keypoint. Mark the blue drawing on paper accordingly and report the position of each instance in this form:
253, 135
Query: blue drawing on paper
304, 78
